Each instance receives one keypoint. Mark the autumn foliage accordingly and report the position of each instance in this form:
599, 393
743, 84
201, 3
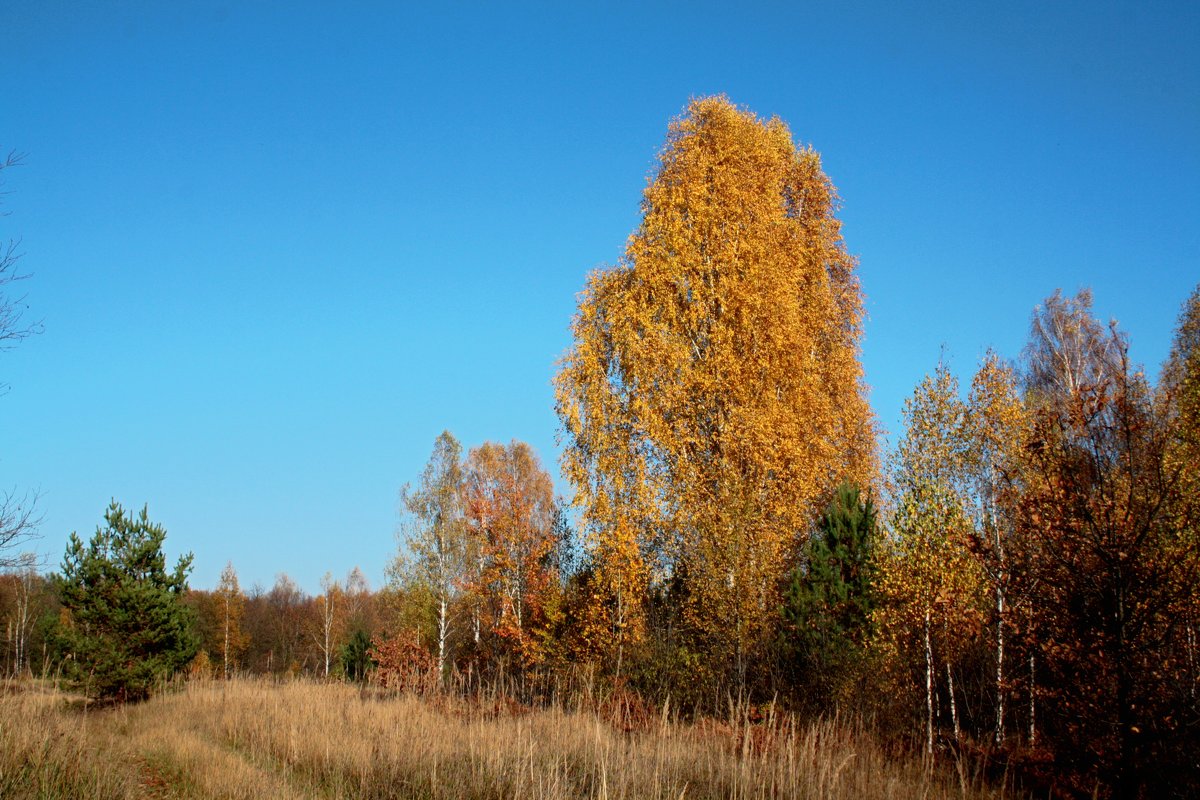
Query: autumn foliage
1109, 567
713, 395
509, 502
401, 662
1011, 585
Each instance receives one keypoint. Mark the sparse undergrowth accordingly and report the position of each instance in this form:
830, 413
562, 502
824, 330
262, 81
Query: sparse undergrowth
250, 739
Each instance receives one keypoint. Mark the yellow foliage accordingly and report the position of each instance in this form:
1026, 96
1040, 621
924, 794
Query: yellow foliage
200, 667
928, 573
714, 392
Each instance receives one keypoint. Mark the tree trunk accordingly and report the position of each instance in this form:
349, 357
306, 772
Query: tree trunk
329, 612
953, 705
1127, 780
325, 649
620, 625
999, 664
928, 688
443, 632
1190, 638
225, 649
1032, 706
25, 588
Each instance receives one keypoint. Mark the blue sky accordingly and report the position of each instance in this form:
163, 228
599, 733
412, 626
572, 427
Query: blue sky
277, 248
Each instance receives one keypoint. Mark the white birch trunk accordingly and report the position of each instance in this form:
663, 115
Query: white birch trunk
225, 649
1190, 644
928, 688
999, 641
1032, 706
443, 633
620, 627
328, 628
953, 705
999, 665
22, 623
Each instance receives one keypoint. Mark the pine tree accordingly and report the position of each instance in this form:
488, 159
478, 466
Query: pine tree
128, 627
356, 656
829, 601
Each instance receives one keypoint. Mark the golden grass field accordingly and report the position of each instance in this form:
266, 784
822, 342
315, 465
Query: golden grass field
256, 739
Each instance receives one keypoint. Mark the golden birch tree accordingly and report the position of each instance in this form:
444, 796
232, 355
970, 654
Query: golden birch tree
1180, 391
997, 425
231, 607
713, 396
508, 499
931, 586
1180, 394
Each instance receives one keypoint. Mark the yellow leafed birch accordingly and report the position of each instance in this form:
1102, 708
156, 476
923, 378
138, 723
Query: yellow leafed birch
932, 589
714, 394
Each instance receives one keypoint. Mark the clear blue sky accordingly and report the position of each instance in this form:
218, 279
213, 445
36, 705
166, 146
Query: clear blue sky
278, 248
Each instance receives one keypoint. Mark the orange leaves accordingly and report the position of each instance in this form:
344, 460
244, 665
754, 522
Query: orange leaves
714, 392
401, 663
509, 502
481, 538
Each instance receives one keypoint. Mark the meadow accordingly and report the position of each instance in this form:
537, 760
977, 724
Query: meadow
251, 738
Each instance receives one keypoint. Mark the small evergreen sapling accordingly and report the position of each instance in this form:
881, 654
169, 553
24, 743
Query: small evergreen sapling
828, 604
128, 627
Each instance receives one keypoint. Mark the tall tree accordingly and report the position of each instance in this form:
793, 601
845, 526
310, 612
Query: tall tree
361, 608
435, 542
996, 430
1180, 399
510, 515
232, 608
331, 620
25, 582
1069, 352
128, 625
1111, 561
1180, 391
930, 584
280, 616
714, 391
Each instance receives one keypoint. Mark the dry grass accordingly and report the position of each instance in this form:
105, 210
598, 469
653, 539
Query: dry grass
249, 739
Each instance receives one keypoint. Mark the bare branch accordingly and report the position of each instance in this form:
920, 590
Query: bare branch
18, 526
12, 308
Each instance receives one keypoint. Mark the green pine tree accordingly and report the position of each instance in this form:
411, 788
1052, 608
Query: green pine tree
356, 656
828, 604
128, 627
